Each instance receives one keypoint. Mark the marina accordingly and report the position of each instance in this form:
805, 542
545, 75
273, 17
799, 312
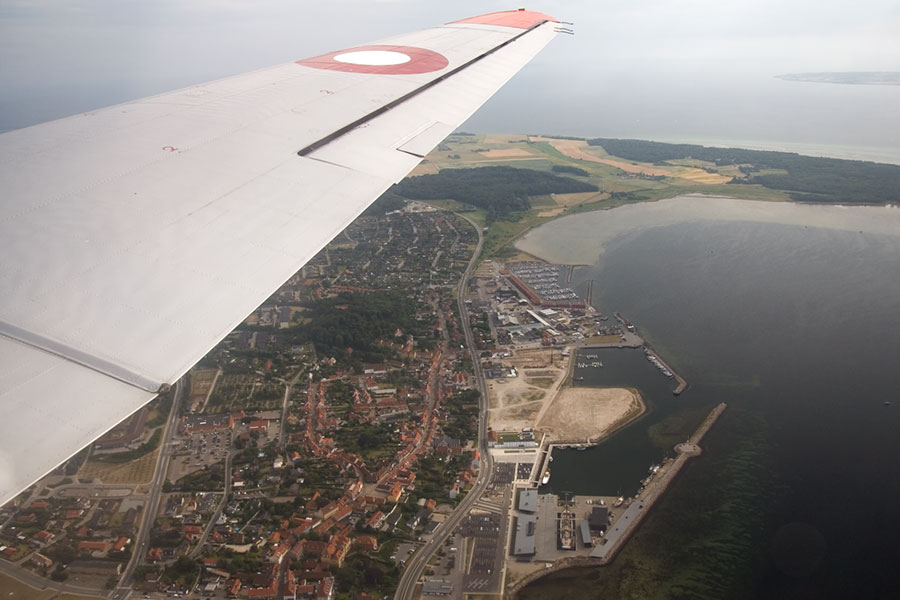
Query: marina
540, 282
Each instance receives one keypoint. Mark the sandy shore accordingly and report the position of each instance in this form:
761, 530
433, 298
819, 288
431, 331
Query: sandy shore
582, 413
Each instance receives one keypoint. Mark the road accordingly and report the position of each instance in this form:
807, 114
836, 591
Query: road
140, 546
42, 583
215, 515
139, 550
416, 564
288, 392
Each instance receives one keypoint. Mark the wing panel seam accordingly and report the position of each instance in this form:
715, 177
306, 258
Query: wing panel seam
82, 358
398, 101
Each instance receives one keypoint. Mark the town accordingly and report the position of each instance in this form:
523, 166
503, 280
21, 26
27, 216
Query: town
326, 448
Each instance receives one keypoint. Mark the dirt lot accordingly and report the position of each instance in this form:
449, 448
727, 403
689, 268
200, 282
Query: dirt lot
589, 413
516, 403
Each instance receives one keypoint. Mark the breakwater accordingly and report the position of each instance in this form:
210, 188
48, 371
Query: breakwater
653, 489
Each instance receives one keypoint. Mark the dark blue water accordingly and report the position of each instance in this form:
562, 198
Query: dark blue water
798, 329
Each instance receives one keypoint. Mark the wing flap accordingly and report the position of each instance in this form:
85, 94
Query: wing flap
425, 141
52, 408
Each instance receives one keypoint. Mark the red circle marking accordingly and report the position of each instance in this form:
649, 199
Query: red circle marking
420, 61
522, 19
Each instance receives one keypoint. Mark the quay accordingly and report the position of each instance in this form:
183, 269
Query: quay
622, 529
682, 384
605, 548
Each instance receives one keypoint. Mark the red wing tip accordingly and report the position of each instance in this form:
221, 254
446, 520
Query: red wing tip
523, 19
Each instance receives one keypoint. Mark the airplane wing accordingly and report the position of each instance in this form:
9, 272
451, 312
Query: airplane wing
136, 237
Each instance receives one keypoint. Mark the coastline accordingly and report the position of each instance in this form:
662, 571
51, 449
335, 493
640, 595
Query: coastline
881, 154
583, 238
636, 509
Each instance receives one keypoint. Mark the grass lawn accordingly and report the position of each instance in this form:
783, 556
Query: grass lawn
136, 471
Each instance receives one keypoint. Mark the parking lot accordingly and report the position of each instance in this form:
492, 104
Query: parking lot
197, 451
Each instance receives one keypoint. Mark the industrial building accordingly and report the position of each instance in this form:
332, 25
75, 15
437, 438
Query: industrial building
523, 546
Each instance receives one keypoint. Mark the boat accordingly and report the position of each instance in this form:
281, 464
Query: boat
887, 402
579, 378
546, 479
619, 501
567, 531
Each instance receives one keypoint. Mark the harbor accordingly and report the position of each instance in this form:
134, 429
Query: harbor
570, 530
565, 380
709, 311
661, 476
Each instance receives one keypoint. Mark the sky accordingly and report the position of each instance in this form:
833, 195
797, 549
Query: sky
640, 67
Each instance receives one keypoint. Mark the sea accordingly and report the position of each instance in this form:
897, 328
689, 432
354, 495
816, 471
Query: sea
734, 108
793, 320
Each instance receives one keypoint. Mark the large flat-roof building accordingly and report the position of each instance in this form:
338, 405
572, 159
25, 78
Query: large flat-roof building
599, 518
584, 530
437, 588
523, 544
192, 424
528, 500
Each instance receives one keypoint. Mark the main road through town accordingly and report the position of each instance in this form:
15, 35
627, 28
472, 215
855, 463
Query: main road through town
419, 560
139, 550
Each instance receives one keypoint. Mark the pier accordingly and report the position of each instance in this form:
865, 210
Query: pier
681, 383
622, 529
542, 463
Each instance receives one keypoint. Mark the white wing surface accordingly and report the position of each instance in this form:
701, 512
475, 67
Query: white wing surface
134, 238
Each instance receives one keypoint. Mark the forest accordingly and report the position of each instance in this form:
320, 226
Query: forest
462, 417
357, 321
808, 178
569, 170
501, 191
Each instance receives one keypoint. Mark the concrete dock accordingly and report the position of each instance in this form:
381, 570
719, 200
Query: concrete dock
681, 383
640, 506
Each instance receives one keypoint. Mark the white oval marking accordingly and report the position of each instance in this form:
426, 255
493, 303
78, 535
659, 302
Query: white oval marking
374, 58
